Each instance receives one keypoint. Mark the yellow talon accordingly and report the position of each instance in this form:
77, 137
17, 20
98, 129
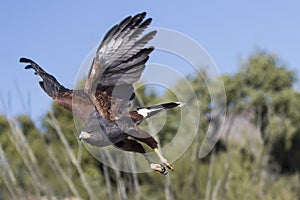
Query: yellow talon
163, 160
169, 166
159, 168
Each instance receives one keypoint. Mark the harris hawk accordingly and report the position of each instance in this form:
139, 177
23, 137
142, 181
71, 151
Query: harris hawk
104, 102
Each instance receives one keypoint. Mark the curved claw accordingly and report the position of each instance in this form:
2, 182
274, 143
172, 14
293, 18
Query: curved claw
159, 168
169, 166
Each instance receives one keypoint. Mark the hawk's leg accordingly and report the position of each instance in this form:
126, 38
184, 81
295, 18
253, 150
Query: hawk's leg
146, 138
132, 145
163, 160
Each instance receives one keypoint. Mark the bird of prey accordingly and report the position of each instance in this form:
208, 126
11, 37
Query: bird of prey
105, 101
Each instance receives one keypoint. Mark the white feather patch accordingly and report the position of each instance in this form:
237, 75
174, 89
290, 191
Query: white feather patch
145, 111
180, 103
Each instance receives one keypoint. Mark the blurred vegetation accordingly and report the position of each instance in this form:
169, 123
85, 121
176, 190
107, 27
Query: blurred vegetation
257, 156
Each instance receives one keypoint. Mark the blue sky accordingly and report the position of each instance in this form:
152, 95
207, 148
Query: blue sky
60, 34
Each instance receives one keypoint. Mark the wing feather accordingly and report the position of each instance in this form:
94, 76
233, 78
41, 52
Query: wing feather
119, 62
118, 54
76, 101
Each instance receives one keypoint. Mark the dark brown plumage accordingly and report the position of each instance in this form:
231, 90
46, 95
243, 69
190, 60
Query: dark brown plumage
104, 103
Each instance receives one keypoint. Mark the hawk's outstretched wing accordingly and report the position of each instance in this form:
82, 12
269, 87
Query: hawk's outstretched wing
119, 62
121, 58
75, 101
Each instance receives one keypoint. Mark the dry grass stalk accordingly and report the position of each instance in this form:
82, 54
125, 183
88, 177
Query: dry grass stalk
54, 123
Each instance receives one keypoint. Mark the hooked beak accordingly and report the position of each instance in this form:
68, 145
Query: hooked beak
84, 135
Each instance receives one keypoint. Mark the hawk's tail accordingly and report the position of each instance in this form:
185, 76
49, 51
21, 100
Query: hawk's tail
49, 83
153, 110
